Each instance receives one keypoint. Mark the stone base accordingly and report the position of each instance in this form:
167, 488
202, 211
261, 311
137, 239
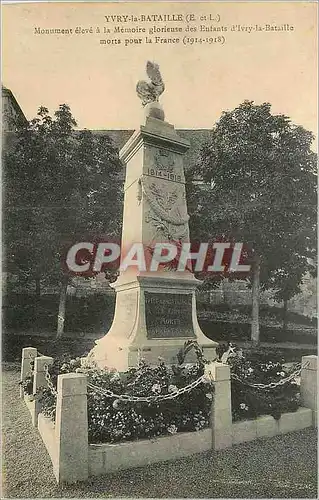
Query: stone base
106, 458
154, 316
115, 355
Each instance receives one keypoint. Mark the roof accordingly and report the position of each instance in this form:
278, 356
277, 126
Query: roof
7, 93
196, 138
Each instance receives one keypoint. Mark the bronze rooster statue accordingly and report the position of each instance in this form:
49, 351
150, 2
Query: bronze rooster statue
150, 91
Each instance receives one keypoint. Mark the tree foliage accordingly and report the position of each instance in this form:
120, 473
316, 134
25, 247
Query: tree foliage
260, 172
61, 186
259, 188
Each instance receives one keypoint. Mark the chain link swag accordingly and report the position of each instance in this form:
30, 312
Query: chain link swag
188, 388
49, 381
149, 399
272, 385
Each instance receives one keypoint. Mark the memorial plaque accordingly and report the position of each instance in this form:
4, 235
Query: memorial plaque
168, 315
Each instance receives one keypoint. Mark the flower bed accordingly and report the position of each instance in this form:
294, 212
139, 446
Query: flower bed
112, 420
75, 456
261, 367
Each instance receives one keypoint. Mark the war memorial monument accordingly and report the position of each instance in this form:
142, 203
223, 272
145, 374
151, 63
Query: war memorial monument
155, 311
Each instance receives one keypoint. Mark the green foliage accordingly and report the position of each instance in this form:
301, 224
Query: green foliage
261, 367
187, 347
259, 188
48, 402
112, 420
61, 186
27, 382
22, 313
27, 385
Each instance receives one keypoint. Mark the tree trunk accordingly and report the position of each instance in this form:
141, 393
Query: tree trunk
62, 306
255, 301
225, 298
285, 316
38, 287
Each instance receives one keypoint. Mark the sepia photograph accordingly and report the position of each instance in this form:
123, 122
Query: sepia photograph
159, 249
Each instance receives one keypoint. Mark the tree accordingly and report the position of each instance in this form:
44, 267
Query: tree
61, 186
288, 282
259, 188
306, 300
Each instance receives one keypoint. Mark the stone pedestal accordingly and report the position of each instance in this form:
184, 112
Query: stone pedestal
155, 311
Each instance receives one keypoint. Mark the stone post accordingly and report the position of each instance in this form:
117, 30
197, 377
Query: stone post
28, 355
71, 429
39, 380
221, 415
308, 385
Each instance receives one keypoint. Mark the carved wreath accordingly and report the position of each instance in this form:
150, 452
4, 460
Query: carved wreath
162, 204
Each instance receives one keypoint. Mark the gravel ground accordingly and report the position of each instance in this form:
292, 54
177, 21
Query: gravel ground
281, 467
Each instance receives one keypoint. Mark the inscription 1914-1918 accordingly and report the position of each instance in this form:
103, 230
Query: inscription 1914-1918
168, 315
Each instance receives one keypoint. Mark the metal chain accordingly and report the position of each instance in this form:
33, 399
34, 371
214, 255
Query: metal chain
48, 379
272, 385
149, 399
188, 388
162, 397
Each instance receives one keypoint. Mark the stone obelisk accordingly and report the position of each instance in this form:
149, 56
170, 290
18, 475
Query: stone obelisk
155, 312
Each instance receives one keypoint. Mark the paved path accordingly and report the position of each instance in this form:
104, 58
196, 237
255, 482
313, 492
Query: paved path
281, 467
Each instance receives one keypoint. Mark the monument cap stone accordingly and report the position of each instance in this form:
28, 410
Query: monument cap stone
154, 110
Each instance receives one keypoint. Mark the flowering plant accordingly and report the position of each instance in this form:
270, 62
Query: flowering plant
111, 419
257, 366
27, 385
27, 382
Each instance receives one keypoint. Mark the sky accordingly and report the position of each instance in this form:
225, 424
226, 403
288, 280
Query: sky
202, 79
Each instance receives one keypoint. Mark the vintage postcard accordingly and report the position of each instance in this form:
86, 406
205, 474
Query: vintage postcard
159, 208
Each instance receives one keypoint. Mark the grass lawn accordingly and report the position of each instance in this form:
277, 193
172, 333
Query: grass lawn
281, 467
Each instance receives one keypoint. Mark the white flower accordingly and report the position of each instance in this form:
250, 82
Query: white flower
209, 396
242, 406
207, 377
156, 388
115, 377
187, 367
250, 370
240, 353
172, 388
200, 425
172, 429
116, 404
